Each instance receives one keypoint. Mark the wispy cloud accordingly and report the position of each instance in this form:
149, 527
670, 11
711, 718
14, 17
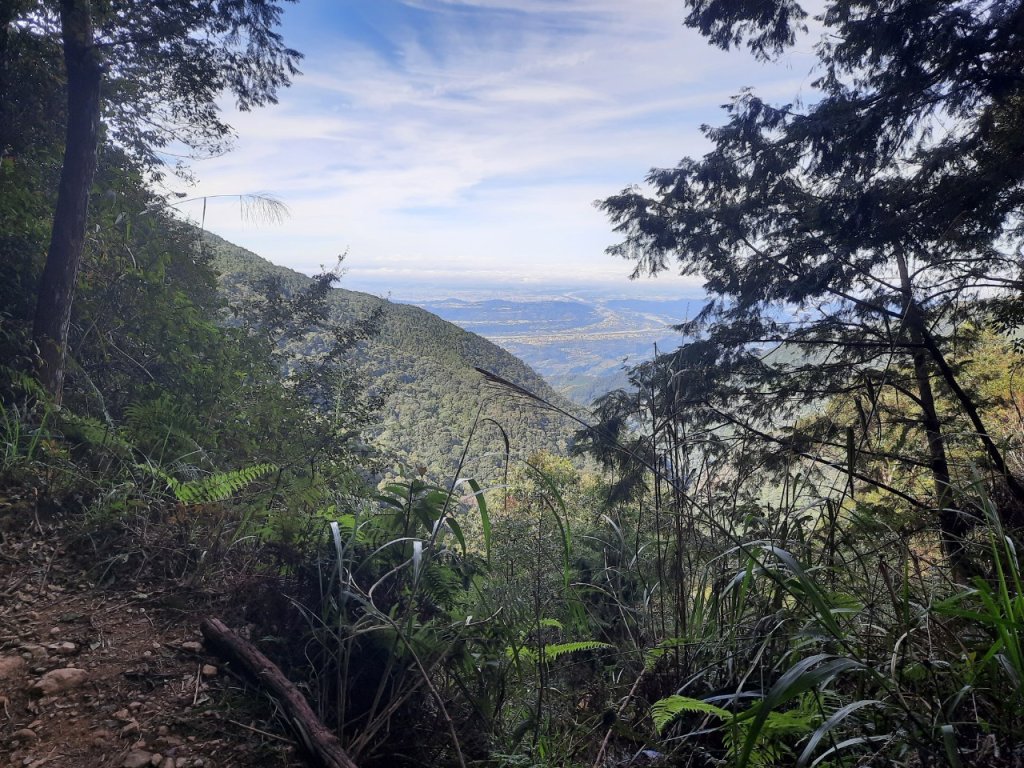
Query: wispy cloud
471, 136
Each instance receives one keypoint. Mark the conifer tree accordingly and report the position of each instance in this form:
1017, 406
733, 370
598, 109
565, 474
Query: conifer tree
862, 228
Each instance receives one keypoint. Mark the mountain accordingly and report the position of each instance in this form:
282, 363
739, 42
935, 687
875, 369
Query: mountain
423, 367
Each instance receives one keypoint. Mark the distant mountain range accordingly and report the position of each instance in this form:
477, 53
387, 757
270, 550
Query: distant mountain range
581, 345
426, 368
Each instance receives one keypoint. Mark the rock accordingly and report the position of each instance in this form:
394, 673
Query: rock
35, 652
130, 729
25, 735
11, 666
54, 631
192, 646
209, 670
58, 680
167, 762
123, 715
63, 649
137, 758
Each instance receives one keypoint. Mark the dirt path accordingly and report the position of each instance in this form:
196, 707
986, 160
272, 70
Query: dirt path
95, 678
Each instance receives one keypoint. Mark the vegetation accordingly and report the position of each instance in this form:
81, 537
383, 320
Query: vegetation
801, 545
421, 373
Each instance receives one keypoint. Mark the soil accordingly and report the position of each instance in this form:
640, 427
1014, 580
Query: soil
146, 692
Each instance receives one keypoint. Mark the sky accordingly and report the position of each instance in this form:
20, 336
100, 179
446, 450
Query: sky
456, 147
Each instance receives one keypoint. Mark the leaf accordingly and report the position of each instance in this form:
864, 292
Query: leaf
664, 711
485, 518
806, 674
554, 650
835, 719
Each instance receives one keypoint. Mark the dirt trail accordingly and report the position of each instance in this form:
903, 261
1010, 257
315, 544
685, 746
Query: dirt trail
109, 677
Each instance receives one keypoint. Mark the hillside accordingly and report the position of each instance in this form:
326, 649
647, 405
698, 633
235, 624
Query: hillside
424, 368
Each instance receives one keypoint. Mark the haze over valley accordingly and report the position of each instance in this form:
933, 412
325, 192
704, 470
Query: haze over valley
582, 342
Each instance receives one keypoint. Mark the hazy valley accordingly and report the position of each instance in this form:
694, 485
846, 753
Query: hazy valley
580, 343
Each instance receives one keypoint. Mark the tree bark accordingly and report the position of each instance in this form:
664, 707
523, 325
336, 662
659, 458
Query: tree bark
952, 526
320, 742
974, 414
67, 239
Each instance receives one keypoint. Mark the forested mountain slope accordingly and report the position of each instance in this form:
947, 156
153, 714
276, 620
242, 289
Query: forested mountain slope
423, 369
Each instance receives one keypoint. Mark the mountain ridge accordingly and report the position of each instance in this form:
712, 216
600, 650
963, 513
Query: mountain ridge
425, 369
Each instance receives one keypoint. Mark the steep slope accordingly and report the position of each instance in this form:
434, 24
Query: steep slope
425, 369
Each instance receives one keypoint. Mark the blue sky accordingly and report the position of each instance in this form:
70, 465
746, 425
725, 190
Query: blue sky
456, 145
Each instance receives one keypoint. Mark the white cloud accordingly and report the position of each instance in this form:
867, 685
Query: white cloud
477, 149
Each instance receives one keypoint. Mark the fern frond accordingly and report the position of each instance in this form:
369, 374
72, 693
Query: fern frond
553, 650
221, 485
664, 711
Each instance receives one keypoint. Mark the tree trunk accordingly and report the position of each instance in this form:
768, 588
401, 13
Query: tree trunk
952, 526
67, 239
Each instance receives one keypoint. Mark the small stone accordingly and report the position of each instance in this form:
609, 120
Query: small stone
209, 670
137, 758
167, 762
123, 715
35, 652
58, 680
135, 705
156, 760
162, 730
25, 735
54, 631
192, 646
11, 666
64, 649
130, 729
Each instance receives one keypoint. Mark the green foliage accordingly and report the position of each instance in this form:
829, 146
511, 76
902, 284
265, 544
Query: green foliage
665, 711
552, 651
421, 370
219, 486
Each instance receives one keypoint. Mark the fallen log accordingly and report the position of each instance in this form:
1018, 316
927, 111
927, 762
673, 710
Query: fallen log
321, 743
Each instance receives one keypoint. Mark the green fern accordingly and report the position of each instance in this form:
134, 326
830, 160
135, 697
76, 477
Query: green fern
665, 711
219, 486
553, 650
159, 423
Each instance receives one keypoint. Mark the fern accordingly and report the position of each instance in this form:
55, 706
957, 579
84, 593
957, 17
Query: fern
553, 650
161, 422
664, 711
441, 585
219, 486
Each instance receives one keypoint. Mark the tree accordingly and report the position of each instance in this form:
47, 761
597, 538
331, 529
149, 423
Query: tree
858, 232
161, 65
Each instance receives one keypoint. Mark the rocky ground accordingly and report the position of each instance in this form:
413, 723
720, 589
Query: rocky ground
114, 676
